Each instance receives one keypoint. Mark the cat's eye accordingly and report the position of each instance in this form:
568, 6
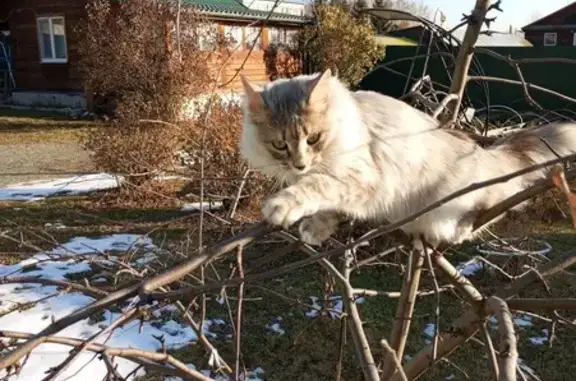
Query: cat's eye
313, 138
279, 145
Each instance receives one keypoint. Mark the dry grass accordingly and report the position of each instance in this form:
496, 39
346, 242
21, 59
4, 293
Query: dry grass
309, 347
29, 126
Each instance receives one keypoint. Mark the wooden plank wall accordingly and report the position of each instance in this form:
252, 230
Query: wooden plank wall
252, 65
30, 73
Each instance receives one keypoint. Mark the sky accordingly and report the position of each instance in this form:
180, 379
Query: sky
516, 12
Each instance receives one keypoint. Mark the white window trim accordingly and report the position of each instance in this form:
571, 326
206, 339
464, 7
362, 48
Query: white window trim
555, 39
229, 33
50, 19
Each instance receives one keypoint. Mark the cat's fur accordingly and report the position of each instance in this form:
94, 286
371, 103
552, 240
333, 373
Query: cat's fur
377, 158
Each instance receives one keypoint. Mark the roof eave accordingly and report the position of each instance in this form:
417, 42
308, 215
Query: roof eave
236, 17
548, 27
534, 23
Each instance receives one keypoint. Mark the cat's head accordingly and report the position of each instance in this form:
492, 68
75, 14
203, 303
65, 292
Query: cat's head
286, 129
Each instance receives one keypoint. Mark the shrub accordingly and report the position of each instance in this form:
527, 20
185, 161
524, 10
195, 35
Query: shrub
224, 167
341, 42
132, 64
282, 61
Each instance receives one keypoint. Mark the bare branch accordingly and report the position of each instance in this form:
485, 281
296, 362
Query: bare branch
508, 345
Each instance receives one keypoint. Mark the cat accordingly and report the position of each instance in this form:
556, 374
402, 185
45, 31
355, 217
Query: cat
364, 155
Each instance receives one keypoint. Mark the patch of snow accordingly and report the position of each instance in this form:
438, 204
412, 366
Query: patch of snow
429, 330
47, 265
39, 190
335, 305
53, 306
56, 225
524, 321
206, 205
275, 326
540, 340
470, 267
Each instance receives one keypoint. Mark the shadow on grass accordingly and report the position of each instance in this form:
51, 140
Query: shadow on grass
12, 120
306, 348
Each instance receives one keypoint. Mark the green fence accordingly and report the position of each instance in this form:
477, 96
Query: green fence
556, 76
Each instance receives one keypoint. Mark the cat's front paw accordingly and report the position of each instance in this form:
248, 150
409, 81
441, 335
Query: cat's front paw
318, 228
283, 209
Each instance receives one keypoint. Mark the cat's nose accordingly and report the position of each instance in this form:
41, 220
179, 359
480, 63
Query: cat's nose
300, 167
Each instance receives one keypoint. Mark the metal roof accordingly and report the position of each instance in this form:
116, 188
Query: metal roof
235, 9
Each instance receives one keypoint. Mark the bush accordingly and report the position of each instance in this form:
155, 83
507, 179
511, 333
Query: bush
282, 61
138, 150
340, 42
224, 167
131, 64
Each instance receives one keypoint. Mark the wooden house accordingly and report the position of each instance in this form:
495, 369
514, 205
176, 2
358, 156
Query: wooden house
555, 29
38, 43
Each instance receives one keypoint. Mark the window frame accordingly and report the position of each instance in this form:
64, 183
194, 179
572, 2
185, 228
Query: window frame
549, 34
249, 33
229, 30
50, 20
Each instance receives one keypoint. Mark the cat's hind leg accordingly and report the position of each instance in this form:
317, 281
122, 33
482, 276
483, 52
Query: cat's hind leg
316, 229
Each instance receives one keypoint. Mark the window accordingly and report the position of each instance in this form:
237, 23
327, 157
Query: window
550, 39
52, 39
282, 36
207, 36
234, 35
251, 34
291, 37
277, 36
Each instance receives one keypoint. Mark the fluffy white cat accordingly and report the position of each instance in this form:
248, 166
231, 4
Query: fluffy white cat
369, 156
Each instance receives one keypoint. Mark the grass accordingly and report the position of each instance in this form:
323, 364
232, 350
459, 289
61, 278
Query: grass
309, 349
29, 126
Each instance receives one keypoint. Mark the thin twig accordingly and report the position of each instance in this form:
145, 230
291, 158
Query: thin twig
55, 372
391, 353
240, 265
492, 360
428, 255
176, 368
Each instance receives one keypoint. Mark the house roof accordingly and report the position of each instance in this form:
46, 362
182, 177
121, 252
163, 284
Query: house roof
535, 24
236, 10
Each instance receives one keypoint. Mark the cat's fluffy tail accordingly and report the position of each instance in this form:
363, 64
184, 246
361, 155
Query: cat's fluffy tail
538, 145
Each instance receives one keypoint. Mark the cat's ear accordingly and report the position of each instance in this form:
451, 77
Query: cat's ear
318, 88
253, 94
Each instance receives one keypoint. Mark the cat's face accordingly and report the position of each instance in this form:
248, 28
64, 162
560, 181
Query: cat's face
290, 121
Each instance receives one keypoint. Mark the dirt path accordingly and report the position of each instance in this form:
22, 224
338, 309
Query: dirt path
37, 161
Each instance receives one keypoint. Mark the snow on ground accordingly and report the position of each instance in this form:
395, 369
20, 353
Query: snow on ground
75, 256
334, 307
470, 268
38, 190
